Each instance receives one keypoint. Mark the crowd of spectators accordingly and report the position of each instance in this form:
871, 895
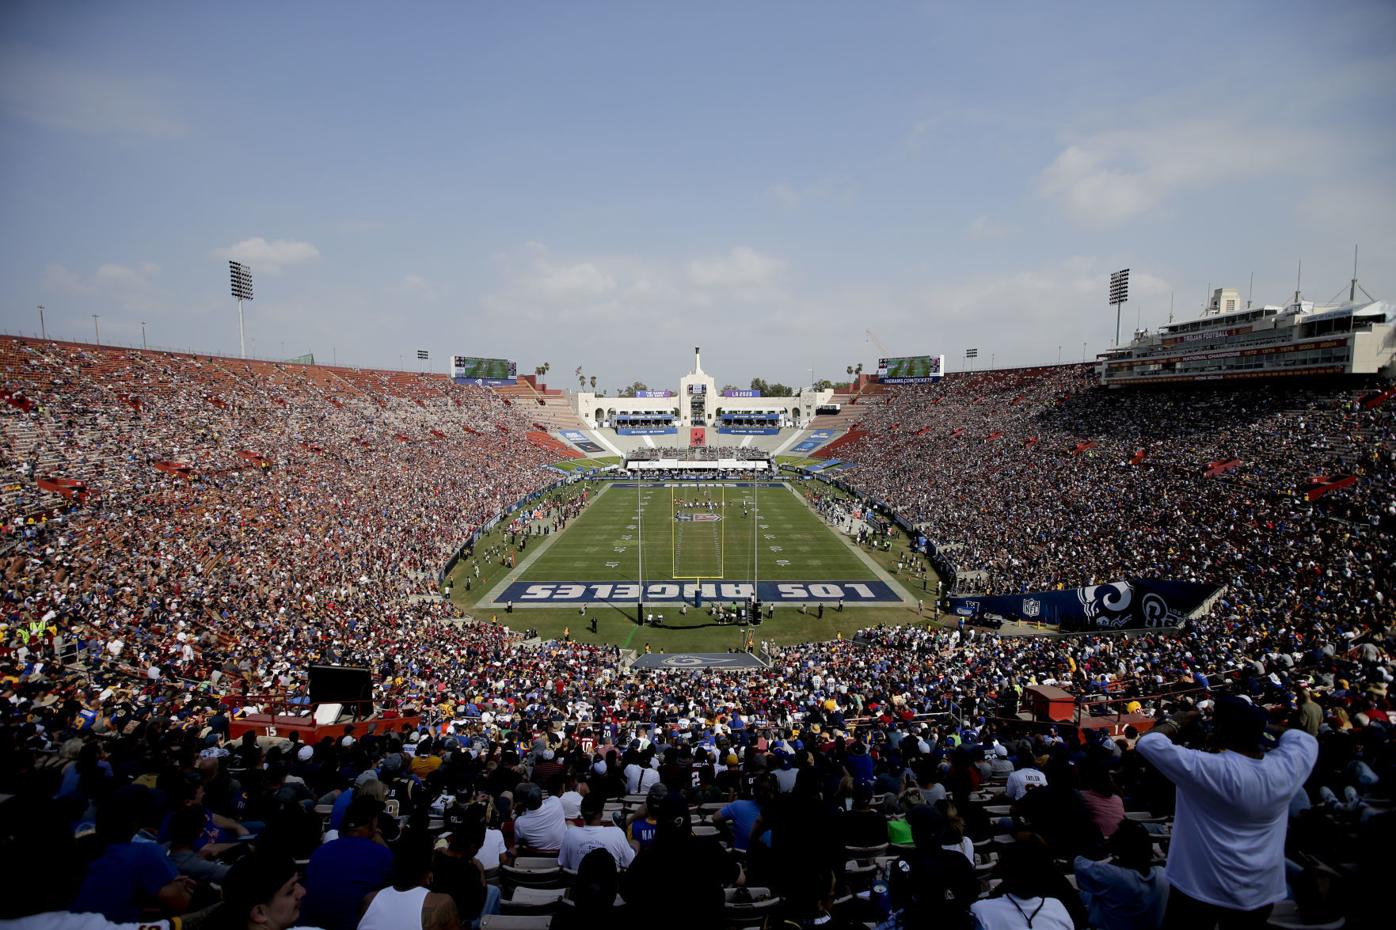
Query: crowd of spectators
140, 622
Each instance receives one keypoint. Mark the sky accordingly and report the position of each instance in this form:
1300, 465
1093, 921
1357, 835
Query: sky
608, 185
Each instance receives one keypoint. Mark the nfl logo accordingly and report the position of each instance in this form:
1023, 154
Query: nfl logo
1031, 607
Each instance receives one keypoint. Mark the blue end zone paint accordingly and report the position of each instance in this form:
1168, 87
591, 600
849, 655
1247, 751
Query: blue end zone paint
813, 441
523, 593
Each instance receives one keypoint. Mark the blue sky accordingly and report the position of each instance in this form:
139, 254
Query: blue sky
608, 185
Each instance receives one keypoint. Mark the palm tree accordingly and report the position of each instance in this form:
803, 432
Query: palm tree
593, 383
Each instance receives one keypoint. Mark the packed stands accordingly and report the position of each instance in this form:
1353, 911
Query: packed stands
301, 515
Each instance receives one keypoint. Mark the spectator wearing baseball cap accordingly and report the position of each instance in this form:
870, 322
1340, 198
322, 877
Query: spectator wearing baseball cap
541, 823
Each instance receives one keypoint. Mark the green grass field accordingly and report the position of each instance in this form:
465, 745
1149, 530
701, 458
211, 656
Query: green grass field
592, 464
604, 543
810, 550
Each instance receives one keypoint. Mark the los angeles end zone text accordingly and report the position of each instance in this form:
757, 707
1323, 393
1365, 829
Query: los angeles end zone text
775, 592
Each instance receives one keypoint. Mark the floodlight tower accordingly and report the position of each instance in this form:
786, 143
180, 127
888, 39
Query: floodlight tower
1119, 294
241, 276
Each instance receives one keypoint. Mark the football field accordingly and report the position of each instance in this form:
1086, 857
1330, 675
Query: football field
702, 541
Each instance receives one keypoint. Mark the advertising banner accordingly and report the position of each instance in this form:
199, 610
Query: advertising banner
483, 372
579, 439
1135, 603
813, 441
912, 369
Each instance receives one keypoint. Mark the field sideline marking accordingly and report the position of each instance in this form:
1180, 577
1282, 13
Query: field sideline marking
881, 573
523, 565
491, 600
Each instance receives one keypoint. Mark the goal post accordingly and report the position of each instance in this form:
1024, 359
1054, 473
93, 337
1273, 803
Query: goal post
696, 532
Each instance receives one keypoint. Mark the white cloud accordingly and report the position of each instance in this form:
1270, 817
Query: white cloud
650, 310
417, 286
267, 256
131, 287
792, 196
116, 276
985, 228
743, 267
65, 95
59, 279
580, 281
1107, 177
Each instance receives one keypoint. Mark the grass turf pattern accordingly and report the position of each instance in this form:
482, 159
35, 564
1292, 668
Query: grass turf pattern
604, 543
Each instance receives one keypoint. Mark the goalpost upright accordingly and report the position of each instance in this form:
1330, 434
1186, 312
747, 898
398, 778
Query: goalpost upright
719, 537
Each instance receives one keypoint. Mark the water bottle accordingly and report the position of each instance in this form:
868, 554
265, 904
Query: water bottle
880, 898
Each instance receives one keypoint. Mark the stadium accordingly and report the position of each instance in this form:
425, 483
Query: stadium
600, 560
936, 645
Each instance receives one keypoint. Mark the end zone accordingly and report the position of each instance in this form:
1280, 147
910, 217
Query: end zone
526, 593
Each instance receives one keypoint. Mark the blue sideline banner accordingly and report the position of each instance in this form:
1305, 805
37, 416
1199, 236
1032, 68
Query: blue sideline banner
1135, 603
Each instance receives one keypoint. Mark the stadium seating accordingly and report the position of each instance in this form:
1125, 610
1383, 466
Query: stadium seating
240, 522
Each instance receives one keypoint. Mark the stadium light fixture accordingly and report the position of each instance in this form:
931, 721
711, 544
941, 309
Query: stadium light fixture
970, 355
241, 277
639, 554
1119, 294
